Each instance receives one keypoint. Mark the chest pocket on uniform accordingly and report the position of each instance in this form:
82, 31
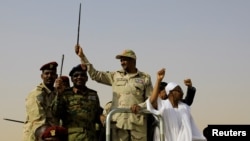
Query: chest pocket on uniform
138, 92
121, 82
139, 88
121, 87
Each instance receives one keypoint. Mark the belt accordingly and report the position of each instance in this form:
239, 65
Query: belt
113, 122
84, 125
76, 130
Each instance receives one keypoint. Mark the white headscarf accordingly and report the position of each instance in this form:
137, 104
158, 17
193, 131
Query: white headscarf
170, 87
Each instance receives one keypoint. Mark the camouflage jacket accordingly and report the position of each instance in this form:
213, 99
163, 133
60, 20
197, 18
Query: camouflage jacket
39, 103
79, 111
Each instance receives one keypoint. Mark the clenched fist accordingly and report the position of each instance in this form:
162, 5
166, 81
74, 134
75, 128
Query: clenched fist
188, 82
79, 51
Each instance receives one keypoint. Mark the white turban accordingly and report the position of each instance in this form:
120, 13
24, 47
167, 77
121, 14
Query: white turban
170, 87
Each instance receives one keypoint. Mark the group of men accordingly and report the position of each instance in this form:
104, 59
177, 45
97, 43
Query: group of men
55, 104
75, 110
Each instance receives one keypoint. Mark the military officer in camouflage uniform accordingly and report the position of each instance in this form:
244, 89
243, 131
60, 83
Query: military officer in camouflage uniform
79, 107
130, 89
40, 101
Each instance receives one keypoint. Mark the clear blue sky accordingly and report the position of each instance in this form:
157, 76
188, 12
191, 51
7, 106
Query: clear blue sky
207, 41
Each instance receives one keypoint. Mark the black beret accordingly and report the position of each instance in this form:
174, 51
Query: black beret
78, 68
163, 85
49, 66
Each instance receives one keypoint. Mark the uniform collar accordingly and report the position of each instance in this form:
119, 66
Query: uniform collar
44, 87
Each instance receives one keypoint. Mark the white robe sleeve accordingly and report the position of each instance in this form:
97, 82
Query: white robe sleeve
151, 108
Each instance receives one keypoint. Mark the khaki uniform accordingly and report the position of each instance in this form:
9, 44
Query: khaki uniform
127, 90
38, 106
79, 112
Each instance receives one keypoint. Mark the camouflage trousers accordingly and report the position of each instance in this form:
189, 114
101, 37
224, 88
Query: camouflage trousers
137, 134
80, 134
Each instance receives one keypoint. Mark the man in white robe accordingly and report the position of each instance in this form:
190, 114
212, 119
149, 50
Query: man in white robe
178, 122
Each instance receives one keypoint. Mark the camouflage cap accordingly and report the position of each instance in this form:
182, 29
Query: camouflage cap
127, 53
49, 66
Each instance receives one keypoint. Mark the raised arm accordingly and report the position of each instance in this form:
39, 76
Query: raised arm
79, 52
154, 96
190, 92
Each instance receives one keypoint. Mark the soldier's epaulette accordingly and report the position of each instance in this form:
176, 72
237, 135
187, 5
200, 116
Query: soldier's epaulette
144, 74
40, 87
93, 91
120, 71
67, 91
